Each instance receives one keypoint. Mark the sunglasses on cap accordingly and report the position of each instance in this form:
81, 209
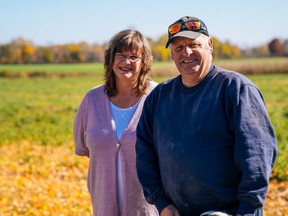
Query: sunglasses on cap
189, 25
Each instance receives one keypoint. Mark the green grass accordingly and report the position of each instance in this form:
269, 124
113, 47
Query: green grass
50, 70
275, 91
58, 68
42, 110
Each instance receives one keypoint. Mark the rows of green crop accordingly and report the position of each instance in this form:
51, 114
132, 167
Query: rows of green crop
42, 110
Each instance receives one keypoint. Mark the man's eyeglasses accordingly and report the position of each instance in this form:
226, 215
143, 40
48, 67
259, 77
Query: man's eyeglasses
189, 25
131, 58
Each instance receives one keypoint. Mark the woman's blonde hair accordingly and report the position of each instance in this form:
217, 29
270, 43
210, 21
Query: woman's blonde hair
128, 40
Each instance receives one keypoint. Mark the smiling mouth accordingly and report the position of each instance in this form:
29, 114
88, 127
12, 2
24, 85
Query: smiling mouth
125, 69
189, 61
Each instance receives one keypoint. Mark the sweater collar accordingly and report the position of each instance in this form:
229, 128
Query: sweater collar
198, 85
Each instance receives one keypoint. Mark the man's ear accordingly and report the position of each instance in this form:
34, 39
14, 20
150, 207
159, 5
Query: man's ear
171, 54
210, 43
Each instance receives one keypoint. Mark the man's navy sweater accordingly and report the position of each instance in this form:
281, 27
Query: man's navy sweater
207, 147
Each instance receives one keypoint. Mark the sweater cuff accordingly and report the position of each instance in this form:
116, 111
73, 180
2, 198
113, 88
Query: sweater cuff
246, 210
161, 202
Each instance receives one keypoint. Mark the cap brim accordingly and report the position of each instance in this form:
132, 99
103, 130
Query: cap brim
186, 34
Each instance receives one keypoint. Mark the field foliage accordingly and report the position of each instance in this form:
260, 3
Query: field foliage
40, 172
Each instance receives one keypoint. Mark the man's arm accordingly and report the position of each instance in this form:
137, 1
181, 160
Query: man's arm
255, 148
147, 162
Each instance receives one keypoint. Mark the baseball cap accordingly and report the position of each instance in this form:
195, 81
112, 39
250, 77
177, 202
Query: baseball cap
187, 26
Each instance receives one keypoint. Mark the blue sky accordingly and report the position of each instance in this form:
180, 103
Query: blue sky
246, 23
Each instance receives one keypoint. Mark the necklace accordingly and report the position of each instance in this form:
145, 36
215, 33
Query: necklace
118, 104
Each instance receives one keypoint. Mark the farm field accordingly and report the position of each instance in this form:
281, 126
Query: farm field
40, 175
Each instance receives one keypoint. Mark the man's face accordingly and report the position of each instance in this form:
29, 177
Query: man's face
192, 57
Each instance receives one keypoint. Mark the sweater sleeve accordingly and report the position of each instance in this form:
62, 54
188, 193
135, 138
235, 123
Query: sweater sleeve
79, 129
147, 160
255, 147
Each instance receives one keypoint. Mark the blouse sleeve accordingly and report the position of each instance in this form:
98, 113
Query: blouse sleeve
79, 131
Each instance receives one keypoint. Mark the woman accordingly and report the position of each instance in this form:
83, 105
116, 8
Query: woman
105, 125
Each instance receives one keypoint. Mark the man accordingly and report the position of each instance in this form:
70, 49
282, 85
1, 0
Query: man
204, 140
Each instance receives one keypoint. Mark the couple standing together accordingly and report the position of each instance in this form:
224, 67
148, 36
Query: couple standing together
200, 143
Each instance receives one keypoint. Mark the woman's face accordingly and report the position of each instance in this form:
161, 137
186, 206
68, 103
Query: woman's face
127, 64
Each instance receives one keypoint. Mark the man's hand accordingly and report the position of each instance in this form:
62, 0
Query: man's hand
170, 210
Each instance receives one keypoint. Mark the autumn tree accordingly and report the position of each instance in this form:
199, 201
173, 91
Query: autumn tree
275, 47
235, 52
75, 53
225, 51
285, 47
20, 51
216, 48
262, 51
159, 51
12, 53
98, 53
6, 54
27, 52
44, 55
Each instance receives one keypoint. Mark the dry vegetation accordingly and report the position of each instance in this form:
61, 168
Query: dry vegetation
244, 66
45, 180
42, 180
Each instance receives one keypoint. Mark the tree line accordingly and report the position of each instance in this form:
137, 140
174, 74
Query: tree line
21, 51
